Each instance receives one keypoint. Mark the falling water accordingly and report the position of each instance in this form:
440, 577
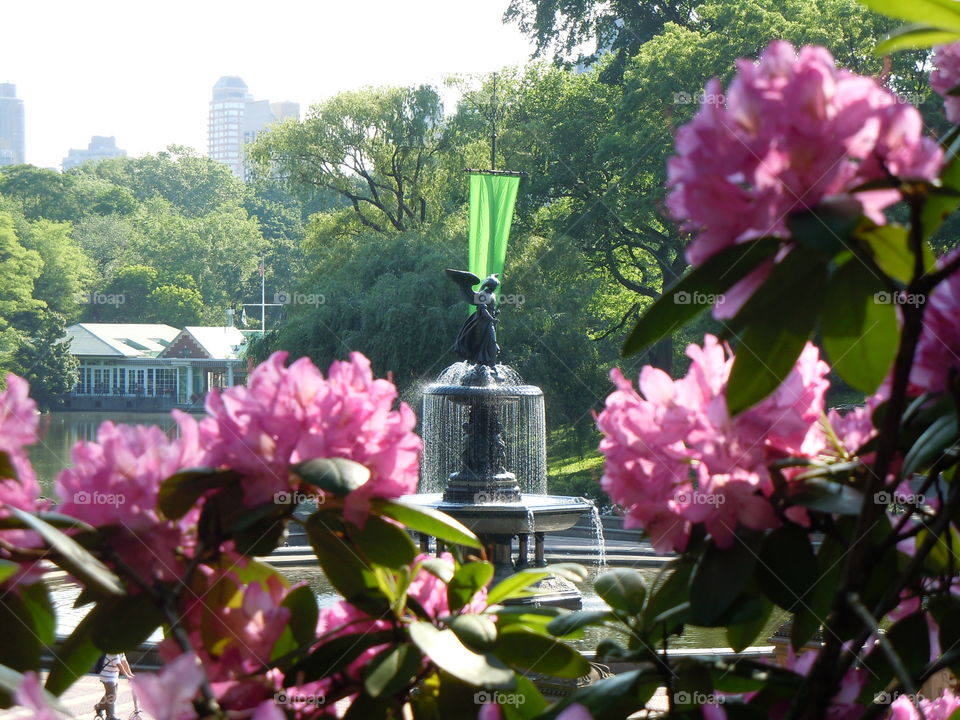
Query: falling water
598, 536
524, 431
531, 520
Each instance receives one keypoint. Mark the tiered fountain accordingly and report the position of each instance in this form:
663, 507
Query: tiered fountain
485, 452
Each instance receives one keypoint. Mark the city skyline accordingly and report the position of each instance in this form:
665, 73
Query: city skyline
143, 74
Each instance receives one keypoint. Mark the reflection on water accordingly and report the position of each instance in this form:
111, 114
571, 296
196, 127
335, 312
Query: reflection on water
59, 432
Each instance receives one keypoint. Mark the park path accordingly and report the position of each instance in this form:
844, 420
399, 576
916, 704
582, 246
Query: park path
80, 699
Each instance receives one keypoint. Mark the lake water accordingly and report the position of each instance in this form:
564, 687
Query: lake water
59, 432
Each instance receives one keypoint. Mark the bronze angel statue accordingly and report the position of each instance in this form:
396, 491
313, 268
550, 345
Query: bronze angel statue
477, 340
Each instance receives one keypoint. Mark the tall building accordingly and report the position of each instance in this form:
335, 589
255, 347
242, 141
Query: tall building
100, 148
11, 126
236, 119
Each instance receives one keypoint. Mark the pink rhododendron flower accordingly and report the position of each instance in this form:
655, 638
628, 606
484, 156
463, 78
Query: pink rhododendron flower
940, 708
114, 483
675, 457
946, 76
938, 350
795, 130
168, 694
30, 696
286, 415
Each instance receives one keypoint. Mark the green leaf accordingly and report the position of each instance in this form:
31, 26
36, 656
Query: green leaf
940, 435
384, 543
7, 569
466, 581
826, 496
180, 492
891, 250
337, 476
788, 568
622, 589
718, 579
935, 13
942, 558
516, 585
612, 698
539, 653
71, 557
808, 619
7, 470
477, 632
345, 570
36, 599
936, 208
446, 651
427, 520
21, 647
140, 618
532, 703
860, 330
572, 623
742, 635
302, 604
915, 37
827, 227
334, 655
697, 291
779, 318
392, 670
441, 569
73, 659
667, 595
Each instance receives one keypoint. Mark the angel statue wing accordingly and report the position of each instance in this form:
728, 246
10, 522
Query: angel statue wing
465, 280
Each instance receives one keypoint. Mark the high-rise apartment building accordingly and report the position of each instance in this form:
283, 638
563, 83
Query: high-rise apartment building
11, 126
100, 148
236, 118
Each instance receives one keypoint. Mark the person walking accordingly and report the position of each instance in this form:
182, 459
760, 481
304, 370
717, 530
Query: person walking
113, 665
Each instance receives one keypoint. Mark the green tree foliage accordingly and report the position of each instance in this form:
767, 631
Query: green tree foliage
379, 149
19, 270
67, 270
174, 305
43, 358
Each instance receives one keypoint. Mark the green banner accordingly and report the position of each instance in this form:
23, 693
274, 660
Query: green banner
492, 198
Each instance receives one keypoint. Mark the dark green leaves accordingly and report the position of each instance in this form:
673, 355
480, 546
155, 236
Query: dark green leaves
427, 520
696, 291
71, 557
444, 648
303, 613
718, 579
778, 318
860, 331
73, 659
539, 653
179, 492
466, 581
337, 476
392, 670
788, 568
477, 632
334, 655
139, 618
384, 543
622, 589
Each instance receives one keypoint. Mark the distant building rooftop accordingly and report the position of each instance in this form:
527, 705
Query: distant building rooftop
120, 339
206, 342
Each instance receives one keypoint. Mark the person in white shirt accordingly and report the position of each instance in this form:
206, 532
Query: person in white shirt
113, 665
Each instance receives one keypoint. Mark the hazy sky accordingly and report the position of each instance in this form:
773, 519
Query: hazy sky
143, 71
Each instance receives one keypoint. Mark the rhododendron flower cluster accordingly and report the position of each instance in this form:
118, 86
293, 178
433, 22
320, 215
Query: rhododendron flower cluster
938, 351
946, 76
114, 482
940, 708
286, 415
675, 457
795, 130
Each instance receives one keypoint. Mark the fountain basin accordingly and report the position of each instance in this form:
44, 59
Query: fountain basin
532, 514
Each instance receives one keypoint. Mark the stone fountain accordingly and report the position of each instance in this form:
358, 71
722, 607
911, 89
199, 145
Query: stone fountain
484, 457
